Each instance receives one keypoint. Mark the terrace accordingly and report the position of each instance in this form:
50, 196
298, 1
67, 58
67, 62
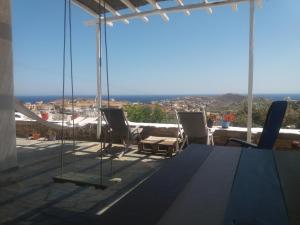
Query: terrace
142, 188
29, 195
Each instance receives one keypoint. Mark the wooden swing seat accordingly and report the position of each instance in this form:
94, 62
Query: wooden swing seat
82, 179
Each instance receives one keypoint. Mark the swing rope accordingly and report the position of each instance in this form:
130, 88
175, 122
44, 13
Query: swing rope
107, 85
107, 79
64, 81
63, 92
72, 81
106, 58
68, 25
99, 113
71, 177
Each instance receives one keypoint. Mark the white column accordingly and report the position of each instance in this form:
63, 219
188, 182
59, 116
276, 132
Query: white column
99, 92
250, 74
8, 153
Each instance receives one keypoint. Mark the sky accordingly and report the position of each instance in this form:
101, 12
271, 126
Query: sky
196, 54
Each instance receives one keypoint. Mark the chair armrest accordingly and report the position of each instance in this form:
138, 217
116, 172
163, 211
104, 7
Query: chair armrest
211, 130
241, 142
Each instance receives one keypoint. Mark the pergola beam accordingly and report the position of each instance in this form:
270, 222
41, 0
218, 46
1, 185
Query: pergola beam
156, 6
89, 11
209, 10
180, 2
134, 9
112, 10
84, 7
174, 9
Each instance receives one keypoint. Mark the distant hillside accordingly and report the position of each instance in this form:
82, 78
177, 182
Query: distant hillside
230, 98
226, 102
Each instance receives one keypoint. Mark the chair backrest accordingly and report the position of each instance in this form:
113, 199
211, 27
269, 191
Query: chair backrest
193, 124
116, 121
272, 124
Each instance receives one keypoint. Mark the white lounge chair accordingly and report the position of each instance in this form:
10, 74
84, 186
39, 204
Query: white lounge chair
195, 127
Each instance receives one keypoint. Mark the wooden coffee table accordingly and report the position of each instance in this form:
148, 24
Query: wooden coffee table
158, 143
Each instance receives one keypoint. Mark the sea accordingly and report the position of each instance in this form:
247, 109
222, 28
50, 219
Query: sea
147, 98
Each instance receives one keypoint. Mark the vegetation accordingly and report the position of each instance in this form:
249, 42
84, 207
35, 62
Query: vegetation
146, 113
259, 113
292, 116
156, 114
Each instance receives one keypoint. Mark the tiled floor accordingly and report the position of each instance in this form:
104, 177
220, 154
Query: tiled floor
28, 195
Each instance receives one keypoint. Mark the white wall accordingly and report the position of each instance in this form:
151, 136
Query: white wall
8, 154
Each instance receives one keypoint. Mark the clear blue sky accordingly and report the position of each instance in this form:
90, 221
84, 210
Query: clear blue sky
197, 54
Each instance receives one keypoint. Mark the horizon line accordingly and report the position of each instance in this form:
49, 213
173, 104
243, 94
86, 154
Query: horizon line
191, 94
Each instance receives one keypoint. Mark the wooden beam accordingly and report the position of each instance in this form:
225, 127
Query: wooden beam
174, 9
89, 11
133, 8
209, 10
84, 7
93, 22
112, 10
82, 179
156, 6
180, 2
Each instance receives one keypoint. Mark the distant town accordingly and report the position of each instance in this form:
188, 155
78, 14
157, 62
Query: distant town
215, 106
